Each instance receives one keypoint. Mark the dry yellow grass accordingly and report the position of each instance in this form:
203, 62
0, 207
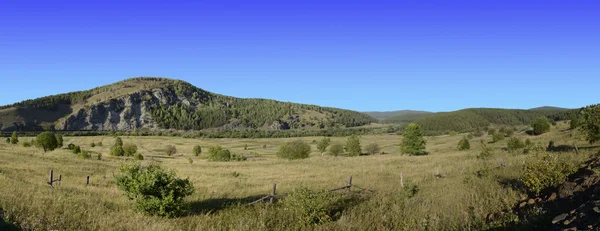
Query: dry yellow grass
459, 201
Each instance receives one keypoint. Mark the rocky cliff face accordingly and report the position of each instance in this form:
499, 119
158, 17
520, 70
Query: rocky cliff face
124, 113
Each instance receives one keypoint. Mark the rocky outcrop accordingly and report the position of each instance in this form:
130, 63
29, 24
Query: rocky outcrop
124, 113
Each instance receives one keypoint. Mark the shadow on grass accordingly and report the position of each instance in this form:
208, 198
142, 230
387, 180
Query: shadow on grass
515, 184
217, 204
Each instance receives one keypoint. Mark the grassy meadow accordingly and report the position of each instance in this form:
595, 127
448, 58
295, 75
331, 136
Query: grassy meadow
460, 200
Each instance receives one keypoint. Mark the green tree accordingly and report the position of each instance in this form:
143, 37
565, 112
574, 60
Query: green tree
59, 140
118, 141
294, 150
464, 144
413, 142
336, 149
154, 190
590, 122
514, 144
323, 144
117, 150
8, 140
47, 140
218, 153
540, 125
171, 150
497, 137
574, 123
372, 148
197, 150
353, 146
14, 139
129, 149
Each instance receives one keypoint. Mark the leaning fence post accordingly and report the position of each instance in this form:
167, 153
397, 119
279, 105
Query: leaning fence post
349, 185
401, 181
51, 175
87, 180
272, 200
60, 179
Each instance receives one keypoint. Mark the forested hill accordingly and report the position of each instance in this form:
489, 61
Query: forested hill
160, 103
477, 118
400, 115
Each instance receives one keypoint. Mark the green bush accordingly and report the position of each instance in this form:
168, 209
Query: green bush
7, 140
543, 170
514, 144
59, 140
336, 149
93, 144
294, 150
540, 125
85, 154
236, 157
138, 156
589, 123
219, 153
76, 149
498, 137
14, 139
118, 141
99, 156
486, 152
26, 144
372, 148
323, 144
491, 131
129, 149
47, 141
313, 208
99, 144
117, 150
71, 146
464, 144
197, 150
190, 160
154, 190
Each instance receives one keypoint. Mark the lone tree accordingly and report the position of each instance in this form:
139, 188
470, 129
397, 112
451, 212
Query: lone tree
294, 150
540, 125
353, 146
464, 144
323, 144
14, 139
336, 149
59, 140
413, 142
589, 122
47, 141
118, 141
197, 150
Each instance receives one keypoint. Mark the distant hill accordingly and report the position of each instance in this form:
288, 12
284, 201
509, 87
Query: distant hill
408, 117
160, 103
383, 115
548, 108
478, 118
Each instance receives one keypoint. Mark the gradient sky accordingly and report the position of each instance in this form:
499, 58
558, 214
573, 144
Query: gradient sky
361, 55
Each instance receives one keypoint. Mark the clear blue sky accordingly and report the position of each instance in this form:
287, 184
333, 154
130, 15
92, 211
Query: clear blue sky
361, 55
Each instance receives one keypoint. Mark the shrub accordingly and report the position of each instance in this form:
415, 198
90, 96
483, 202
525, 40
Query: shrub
264, 146
236, 157
7, 140
170, 150
99, 144
154, 190
294, 150
353, 146
589, 123
509, 132
491, 131
336, 149
138, 156
543, 170
117, 150
26, 144
118, 141
197, 150
514, 144
219, 153
99, 156
486, 152
84, 154
59, 140
540, 125
76, 149
129, 149
47, 140
497, 137
190, 160
14, 139
93, 144
71, 146
528, 142
313, 208
323, 144
372, 148
464, 144
574, 123
413, 142
245, 146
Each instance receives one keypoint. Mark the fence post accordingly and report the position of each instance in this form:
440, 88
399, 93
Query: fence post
60, 179
272, 200
349, 185
51, 176
87, 180
401, 181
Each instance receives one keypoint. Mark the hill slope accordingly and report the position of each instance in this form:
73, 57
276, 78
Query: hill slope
476, 118
155, 103
384, 115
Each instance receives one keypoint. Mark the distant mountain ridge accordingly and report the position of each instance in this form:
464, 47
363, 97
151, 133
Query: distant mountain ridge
382, 115
161, 103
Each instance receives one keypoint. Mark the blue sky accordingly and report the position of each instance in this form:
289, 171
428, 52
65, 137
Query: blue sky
360, 55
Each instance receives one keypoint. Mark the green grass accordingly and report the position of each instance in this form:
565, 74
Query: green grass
459, 201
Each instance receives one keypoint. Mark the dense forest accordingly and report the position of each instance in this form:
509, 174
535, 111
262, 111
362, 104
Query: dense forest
478, 118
